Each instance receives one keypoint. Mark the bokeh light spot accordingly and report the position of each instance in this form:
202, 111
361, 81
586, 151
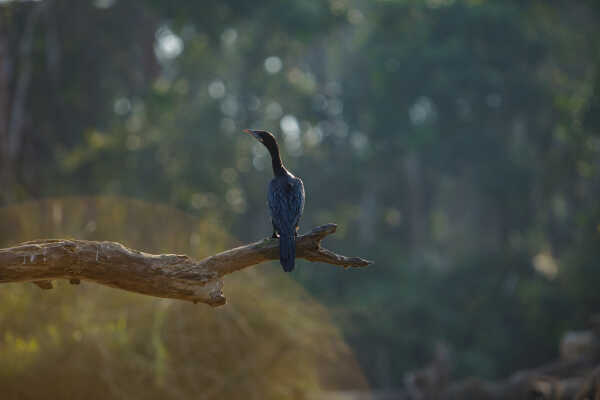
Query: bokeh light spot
273, 64
216, 89
168, 45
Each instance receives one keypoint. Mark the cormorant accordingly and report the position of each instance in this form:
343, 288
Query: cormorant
286, 201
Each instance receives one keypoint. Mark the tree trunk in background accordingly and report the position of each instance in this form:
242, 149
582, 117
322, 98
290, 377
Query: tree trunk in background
418, 218
367, 217
15, 80
6, 72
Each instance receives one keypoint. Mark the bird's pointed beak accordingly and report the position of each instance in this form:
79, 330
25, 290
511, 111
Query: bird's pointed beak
251, 132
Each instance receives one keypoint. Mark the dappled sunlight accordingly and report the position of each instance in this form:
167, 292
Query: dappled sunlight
271, 341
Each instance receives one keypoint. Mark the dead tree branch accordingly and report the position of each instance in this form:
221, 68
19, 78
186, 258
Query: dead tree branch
166, 275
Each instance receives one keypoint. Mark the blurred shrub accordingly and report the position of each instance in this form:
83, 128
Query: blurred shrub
93, 342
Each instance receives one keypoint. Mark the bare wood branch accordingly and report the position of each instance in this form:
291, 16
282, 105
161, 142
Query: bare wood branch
165, 275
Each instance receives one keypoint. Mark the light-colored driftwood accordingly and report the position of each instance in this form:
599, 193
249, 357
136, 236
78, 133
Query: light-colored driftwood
165, 275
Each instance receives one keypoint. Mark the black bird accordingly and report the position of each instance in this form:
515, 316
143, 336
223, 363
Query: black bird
286, 201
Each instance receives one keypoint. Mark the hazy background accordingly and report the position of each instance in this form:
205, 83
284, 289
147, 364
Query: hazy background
456, 143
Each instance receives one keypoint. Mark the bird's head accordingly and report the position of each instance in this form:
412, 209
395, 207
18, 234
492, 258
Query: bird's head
268, 140
264, 137
259, 135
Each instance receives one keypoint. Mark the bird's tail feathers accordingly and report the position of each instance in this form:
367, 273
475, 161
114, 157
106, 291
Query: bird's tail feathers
287, 250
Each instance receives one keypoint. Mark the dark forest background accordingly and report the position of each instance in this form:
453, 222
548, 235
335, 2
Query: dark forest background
456, 143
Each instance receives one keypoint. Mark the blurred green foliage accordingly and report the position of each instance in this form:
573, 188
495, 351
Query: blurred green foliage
455, 142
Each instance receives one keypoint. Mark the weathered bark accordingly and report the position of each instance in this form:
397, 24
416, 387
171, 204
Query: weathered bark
166, 275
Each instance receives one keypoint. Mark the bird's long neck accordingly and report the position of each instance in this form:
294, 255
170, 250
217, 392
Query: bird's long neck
278, 168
